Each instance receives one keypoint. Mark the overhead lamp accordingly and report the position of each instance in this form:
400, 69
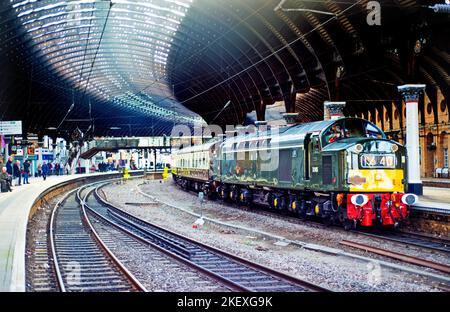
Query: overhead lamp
115, 128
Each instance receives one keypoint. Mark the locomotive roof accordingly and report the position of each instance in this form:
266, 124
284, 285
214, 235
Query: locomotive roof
297, 129
287, 136
289, 133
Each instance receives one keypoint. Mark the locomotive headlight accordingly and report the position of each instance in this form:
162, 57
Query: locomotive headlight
359, 148
394, 147
359, 199
409, 199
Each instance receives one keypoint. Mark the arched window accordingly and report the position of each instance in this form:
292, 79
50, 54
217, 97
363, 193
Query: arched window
429, 108
443, 106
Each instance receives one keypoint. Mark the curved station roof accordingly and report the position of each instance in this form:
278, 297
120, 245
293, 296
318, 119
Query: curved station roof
129, 67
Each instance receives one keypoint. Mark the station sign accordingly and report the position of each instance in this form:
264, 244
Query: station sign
47, 157
11, 127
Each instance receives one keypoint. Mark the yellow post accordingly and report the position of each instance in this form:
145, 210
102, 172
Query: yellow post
165, 174
126, 175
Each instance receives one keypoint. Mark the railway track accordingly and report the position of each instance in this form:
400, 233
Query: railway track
82, 262
236, 273
409, 238
398, 256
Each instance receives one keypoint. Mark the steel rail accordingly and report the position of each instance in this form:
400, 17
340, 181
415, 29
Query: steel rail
132, 221
398, 256
228, 283
52, 243
108, 251
422, 241
90, 231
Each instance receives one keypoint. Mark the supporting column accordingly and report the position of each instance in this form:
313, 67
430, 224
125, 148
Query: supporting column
7, 141
411, 94
155, 159
40, 145
86, 165
333, 110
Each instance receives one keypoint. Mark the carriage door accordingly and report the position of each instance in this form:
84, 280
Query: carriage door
307, 157
285, 165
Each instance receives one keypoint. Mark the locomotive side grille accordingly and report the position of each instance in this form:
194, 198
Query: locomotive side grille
327, 169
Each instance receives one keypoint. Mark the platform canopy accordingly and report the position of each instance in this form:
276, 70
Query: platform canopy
138, 67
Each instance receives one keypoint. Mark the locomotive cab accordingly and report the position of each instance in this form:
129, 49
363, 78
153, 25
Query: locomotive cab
374, 172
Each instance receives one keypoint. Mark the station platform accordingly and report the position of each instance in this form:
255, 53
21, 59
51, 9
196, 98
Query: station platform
15, 208
434, 199
436, 182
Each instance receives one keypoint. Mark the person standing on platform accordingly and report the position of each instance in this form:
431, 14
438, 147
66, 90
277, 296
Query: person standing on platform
26, 171
5, 179
39, 170
9, 166
50, 168
17, 172
67, 168
57, 169
45, 170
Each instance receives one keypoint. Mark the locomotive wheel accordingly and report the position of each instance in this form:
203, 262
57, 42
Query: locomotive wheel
327, 221
348, 225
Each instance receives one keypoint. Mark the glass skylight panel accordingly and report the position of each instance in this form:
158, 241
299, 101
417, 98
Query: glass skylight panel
132, 54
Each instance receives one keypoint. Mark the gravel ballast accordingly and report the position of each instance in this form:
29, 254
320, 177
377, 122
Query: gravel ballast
327, 270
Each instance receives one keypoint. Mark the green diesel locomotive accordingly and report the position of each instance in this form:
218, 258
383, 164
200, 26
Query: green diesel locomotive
342, 170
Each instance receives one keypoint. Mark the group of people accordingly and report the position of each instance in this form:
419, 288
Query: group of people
15, 171
104, 167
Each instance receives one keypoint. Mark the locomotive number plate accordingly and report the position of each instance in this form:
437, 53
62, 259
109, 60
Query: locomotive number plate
377, 161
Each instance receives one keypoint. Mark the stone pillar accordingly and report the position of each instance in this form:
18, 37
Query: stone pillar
154, 151
40, 153
7, 141
333, 110
411, 94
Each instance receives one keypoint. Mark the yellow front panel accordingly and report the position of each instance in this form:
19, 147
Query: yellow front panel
376, 180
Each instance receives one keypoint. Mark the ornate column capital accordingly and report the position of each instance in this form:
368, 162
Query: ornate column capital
411, 92
291, 118
333, 109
